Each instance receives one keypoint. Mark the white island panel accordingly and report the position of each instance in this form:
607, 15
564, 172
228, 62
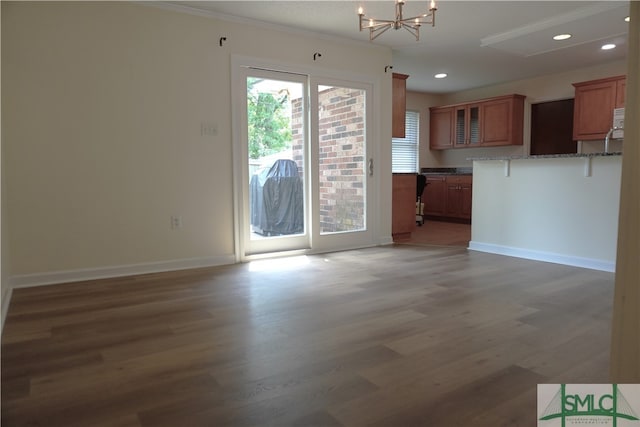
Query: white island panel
548, 209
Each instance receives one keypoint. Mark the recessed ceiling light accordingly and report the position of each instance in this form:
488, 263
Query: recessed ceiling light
627, 19
562, 36
440, 75
608, 46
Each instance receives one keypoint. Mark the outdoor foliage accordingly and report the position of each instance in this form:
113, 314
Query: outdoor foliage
269, 128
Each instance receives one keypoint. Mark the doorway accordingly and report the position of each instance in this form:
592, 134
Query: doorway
552, 128
305, 169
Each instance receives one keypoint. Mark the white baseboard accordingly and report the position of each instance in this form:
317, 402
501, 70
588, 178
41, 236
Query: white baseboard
6, 299
388, 240
593, 264
56, 277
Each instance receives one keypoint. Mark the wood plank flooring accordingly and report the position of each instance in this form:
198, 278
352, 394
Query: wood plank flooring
402, 335
441, 233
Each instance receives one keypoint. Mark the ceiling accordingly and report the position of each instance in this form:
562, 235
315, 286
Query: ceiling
477, 43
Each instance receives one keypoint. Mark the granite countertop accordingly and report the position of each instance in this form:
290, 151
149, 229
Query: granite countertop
447, 171
548, 156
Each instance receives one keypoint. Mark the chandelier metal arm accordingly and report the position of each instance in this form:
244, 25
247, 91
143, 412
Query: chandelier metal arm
421, 17
381, 29
413, 29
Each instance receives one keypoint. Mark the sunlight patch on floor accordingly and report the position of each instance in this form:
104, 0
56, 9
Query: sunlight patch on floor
279, 264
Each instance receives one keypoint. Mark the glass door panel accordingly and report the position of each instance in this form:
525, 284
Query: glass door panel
341, 159
474, 124
276, 120
461, 126
344, 166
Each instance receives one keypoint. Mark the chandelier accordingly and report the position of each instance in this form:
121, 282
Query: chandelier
379, 26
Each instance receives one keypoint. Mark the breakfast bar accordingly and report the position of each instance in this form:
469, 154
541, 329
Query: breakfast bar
557, 208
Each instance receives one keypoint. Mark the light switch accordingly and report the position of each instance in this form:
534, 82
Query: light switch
208, 129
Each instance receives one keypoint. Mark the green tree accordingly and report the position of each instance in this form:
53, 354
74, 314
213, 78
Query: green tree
269, 126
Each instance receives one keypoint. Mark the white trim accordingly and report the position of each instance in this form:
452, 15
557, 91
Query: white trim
574, 15
234, 19
593, 264
6, 299
38, 279
384, 241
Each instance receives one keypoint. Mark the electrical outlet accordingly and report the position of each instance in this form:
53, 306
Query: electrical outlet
176, 222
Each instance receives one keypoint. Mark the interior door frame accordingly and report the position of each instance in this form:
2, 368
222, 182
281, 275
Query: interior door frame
373, 146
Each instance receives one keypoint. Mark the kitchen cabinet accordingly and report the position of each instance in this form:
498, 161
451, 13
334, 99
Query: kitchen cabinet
435, 196
594, 103
484, 123
621, 92
449, 197
399, 105
441, 128
502, 121
467, 125
459, 197
403, 215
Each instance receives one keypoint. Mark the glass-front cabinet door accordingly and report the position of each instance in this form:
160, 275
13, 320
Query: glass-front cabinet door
467, 125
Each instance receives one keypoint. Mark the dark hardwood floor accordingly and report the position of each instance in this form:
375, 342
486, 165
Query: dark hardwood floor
403, 335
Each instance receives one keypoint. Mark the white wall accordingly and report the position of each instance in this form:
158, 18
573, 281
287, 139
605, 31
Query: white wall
103, 104
548, 209
540, 89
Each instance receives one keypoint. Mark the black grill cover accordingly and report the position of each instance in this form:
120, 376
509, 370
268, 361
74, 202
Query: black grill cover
276, 200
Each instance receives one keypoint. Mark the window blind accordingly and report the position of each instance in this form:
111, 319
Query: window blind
404, 151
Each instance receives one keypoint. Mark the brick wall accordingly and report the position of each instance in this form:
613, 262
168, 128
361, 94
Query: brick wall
341, 157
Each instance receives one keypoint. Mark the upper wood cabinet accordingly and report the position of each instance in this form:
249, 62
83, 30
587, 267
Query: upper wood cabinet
503, 121
484, 123
621, 91
399, 105
467, 125
593, 107
441, 128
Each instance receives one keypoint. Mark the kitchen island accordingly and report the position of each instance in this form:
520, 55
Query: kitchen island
557, 208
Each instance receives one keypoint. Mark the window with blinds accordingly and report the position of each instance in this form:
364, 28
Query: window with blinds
404, 151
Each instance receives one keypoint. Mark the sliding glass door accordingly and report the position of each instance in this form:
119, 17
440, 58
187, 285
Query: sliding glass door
306, 166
